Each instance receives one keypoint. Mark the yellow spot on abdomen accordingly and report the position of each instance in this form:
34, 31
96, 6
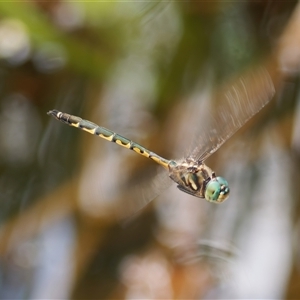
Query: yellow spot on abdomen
159, 161
108, 138
91, 131
137, 150
123, 145
75, 125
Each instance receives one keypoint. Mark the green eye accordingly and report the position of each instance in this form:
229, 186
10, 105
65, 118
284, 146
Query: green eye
217, 190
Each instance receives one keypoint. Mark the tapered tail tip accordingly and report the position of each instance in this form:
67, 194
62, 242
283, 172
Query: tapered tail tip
53, 113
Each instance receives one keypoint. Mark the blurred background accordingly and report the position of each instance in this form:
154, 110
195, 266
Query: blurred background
74, 224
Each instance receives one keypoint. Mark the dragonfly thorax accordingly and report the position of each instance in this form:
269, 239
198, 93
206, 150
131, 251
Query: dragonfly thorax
199, 180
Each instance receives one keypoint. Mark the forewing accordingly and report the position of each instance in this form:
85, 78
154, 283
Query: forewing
236, 104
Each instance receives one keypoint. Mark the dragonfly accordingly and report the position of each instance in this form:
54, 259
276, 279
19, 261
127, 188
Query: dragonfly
240, 101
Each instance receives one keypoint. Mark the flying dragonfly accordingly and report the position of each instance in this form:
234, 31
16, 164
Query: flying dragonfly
240, 101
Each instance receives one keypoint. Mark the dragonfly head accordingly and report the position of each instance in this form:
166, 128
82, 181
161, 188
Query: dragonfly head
217, 190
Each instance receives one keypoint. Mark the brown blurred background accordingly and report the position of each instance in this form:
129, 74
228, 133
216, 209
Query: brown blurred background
73, 222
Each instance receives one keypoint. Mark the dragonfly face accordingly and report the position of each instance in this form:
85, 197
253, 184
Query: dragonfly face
217, 190
199, 180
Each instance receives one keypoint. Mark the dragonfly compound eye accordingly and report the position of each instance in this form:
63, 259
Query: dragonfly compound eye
217, 190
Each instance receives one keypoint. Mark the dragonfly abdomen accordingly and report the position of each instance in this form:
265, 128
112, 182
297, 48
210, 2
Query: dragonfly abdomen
108, 135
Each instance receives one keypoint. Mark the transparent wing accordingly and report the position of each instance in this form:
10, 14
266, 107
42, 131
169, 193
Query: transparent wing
139, 195
240, 101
